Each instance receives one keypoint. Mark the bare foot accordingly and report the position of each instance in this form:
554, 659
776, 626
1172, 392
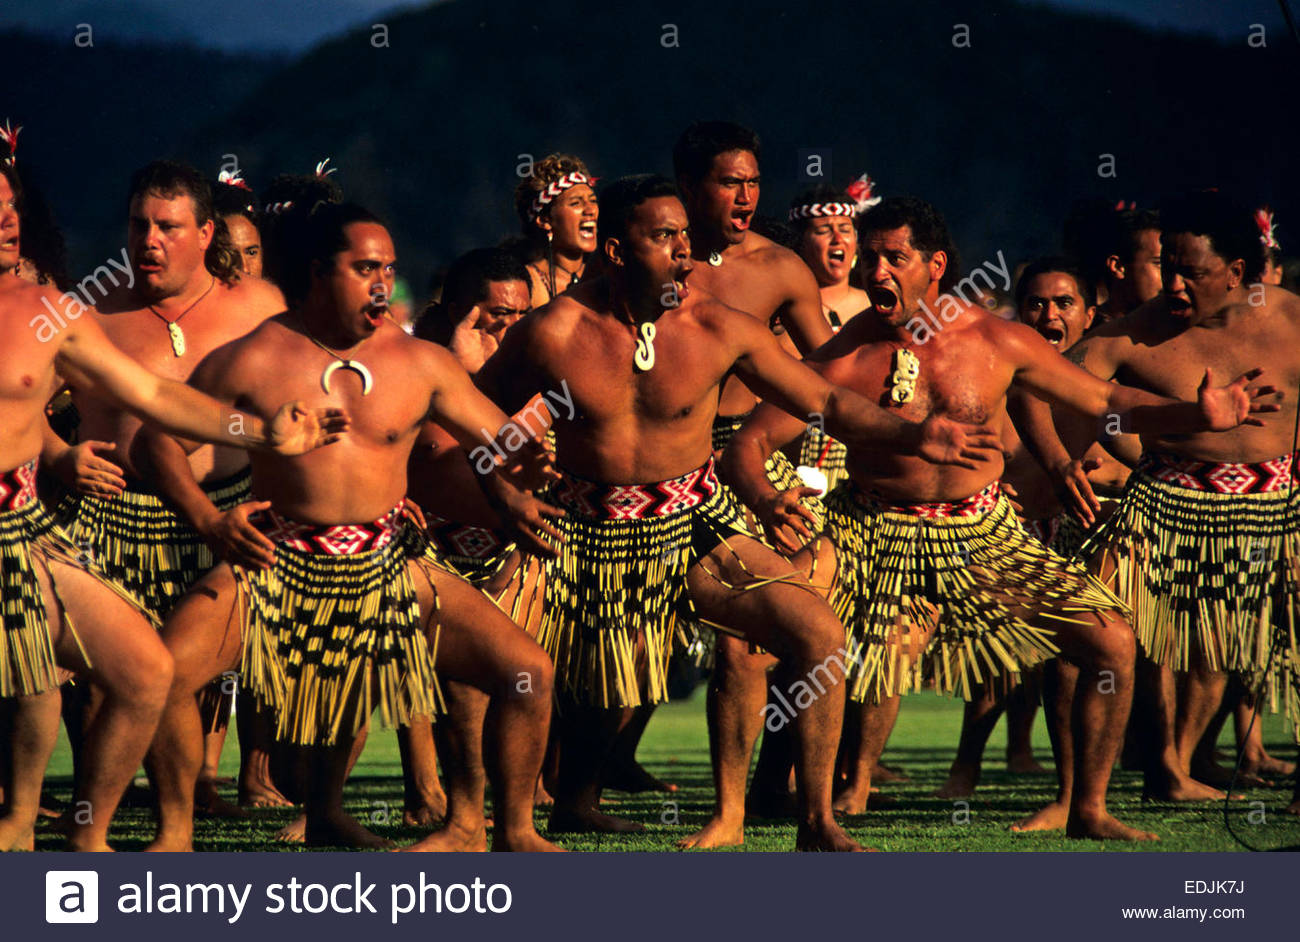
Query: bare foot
1266, 765
541, 797
888, 773
589, 820
1051, 817
827, 837
851, 801
717, 833
632, 777
961, 782
208, 804
1186, 789
339, 829
1219, 777
94, 847
262, 795
453, 837
1024, 763
1105, 827
295, 832
529, 843
430, 813
15, 835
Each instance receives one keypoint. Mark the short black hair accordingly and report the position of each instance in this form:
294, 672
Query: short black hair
929, 230
320, 235
1050, 263
620, 198
694, 151
287, 202
466, 284
1229, 226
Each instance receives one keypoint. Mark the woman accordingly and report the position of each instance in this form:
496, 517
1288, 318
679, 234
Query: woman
558, 209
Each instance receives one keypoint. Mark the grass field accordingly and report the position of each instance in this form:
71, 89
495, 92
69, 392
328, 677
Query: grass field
676, 748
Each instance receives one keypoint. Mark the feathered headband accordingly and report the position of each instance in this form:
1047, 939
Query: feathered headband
233, 178
275, 209
860, 191
10, 136
551, 191
1267, 228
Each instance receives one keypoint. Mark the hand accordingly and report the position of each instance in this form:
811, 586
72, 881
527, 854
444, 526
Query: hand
1013, 498
529, 467
236, 540
472, 342
1226, 407
83, 470
411, 509
780, 516
296, 430
1074, 490
944, 441
525, 516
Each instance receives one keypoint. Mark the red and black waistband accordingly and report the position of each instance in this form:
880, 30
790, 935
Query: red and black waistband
338, 539
977, 505
18, 487
595, 500
1221, 477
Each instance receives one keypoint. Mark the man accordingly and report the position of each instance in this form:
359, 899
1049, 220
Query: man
61, 610
934, 573
1129, 258
1207, 515
183, 298
349, 615
716, 165
649, 535
1054, 298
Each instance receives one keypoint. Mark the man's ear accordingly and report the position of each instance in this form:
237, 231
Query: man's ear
1091, 315
613, 252
1236, 273
1115, 267
206, 232
938, 265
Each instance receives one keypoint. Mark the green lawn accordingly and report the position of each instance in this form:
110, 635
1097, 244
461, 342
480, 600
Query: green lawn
676, 748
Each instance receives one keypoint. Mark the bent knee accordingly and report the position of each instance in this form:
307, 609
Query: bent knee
534, 676
1116, 646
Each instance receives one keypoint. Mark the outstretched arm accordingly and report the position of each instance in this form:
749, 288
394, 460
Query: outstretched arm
88, 359
853, 419
1040, 369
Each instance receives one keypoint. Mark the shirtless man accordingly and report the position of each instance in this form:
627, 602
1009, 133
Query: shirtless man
184, 299
1206, 513
932, 563
1054, 298
343, 547
716, 165
91, 627
648, 532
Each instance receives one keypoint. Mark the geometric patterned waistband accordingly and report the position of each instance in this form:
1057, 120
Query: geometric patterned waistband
594, 500
464, 539
337, 539
974, 506
18, 487
1222, 477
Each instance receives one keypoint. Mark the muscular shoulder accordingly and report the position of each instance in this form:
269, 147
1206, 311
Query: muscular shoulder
19, 295
253, 300
248, 356
776, 260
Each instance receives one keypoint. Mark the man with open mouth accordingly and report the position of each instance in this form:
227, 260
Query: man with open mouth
1200, 545
933, 574
651, 538
62, 610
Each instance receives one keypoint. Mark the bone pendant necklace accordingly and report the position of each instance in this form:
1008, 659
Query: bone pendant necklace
341, 363
174, 326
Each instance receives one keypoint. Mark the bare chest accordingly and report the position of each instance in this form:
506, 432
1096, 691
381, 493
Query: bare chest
742, 285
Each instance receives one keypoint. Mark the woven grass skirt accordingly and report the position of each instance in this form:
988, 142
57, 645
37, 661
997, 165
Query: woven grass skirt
140, 541
328, 637
992, 588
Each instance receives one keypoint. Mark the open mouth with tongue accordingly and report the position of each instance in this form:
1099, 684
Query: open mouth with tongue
587, 231
679, 282
1053, 333
1178, 306
9, 245
741, 218
884, 298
